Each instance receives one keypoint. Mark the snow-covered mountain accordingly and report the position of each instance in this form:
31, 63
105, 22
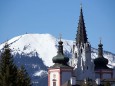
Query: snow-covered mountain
36, 51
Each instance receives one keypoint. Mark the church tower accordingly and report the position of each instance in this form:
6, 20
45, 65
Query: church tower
60, 72
81, 59
102, 71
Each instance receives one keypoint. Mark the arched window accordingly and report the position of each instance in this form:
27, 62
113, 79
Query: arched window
54, 82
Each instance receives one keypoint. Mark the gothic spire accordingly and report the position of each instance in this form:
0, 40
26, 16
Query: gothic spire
81, 36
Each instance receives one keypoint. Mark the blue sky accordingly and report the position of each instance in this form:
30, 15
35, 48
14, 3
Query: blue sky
59, 16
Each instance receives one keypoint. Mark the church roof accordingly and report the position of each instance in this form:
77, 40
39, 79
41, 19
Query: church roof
58, 65
60, 60
81, 36
100, 62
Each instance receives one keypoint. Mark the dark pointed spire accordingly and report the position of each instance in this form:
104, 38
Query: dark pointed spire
81, 36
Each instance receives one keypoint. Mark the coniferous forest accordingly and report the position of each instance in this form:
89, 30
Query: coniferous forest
10, 74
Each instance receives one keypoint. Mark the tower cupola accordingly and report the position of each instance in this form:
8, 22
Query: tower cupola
100, 62
60, 58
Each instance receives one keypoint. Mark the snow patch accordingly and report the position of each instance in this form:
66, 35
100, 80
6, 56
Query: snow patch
41, 73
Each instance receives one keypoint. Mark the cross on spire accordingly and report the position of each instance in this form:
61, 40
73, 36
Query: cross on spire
81, 5
60, 36
100, 40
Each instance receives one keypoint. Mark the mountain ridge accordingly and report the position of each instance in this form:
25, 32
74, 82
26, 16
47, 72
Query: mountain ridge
35, 52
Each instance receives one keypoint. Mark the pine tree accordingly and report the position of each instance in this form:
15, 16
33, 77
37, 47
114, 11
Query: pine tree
23, 77
10, 75
8, 70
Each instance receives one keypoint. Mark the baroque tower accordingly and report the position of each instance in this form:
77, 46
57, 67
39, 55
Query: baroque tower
102, 71
60, 72
81, 53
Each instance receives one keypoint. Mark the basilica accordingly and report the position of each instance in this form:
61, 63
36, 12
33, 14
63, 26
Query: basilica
81, 69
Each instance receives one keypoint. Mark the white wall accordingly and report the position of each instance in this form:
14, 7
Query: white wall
56, 77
